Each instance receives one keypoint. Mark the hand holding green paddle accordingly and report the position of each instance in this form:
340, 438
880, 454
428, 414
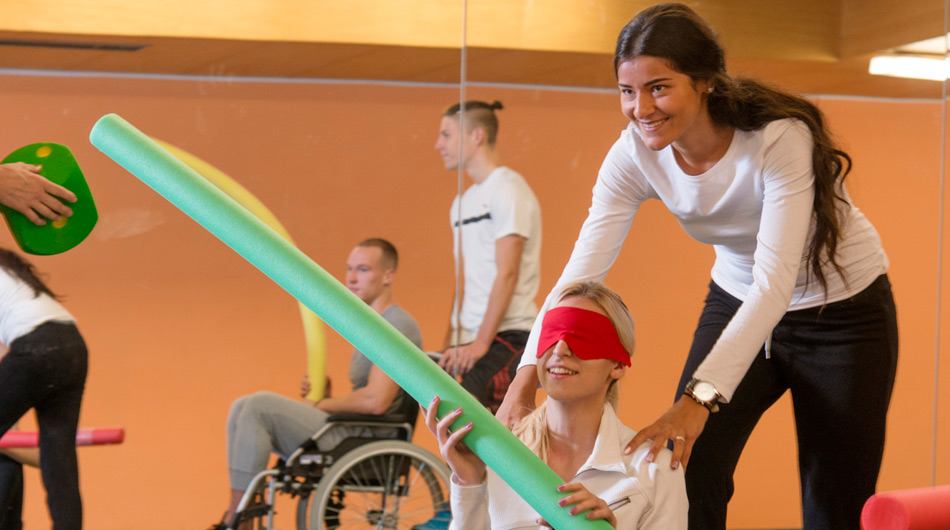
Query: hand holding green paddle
34, 182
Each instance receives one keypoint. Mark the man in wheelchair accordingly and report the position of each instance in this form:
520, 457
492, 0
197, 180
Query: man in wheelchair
264, 422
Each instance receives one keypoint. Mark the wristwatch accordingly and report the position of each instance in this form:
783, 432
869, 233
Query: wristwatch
704, 393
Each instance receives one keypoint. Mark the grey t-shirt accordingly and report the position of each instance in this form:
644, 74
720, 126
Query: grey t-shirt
360, 365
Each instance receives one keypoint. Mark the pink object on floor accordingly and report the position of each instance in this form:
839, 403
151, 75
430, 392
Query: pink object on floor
913, 509
111, 435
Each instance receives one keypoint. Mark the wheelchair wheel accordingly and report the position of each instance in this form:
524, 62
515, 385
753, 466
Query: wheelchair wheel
387, 484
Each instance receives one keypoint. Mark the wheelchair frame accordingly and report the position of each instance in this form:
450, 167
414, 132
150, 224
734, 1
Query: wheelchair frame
314, 476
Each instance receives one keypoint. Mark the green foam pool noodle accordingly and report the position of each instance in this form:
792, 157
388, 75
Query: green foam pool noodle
54, 237
339, 308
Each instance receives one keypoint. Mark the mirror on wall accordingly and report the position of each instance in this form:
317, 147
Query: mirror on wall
551, 67
941, 463
325, 114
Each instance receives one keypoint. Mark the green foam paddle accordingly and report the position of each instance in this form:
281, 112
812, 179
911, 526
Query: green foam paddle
339, 308
59, 167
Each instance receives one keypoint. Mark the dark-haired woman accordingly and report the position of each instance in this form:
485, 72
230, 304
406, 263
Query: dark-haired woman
45, 369
799, 298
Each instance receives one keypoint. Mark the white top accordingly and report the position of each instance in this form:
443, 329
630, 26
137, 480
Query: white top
755, 206
21, 310
501, 205
642, 495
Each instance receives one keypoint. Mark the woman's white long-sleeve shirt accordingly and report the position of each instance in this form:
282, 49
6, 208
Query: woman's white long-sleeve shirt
642, 495
755, 206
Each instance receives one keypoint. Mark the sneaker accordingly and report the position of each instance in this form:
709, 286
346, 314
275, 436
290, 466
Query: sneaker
440, 521
221, 525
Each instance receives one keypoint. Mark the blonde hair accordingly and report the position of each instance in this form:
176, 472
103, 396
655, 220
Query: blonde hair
532, 430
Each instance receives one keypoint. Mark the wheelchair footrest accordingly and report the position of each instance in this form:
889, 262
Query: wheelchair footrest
255, 511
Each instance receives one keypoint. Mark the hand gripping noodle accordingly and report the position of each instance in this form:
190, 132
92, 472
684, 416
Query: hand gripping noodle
340, 309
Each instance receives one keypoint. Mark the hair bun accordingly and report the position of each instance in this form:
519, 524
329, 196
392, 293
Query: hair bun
496, 105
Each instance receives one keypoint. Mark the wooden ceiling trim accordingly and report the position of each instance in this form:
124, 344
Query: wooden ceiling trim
425, 23
793, 44
870, 26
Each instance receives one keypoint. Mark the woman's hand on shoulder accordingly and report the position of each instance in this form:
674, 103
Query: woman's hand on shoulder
468, 468
580, 500
682, 424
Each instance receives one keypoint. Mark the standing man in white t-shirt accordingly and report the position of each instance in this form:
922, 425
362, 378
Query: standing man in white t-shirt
497, 226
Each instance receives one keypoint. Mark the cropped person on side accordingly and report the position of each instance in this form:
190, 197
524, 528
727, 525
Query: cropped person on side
45, 370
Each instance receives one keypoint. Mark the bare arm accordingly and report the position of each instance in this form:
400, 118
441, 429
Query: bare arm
508, 251
520, 398
450, 335
374, 398
450, 330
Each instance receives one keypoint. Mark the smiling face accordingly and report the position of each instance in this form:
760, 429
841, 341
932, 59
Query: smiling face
565, 377
666, 106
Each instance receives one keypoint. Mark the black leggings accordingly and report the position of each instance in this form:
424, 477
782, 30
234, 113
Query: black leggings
839, 362
46, 370
11, 494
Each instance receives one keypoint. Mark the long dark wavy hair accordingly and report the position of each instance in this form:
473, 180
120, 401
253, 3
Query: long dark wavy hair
24, 270
674, 32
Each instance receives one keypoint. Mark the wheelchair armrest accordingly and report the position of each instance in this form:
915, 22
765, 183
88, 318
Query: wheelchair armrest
367, 418
396, 422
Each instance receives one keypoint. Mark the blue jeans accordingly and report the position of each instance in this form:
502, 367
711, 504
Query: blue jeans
46, 370
839, 362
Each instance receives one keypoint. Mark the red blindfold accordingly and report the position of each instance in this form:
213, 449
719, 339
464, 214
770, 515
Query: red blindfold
589, 334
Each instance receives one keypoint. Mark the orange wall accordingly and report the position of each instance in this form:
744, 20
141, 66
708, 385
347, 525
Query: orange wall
179, 326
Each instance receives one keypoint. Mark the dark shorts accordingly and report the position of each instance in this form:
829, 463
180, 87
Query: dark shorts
489, 379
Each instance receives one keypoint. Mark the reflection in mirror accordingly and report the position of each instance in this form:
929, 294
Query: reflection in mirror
551, 66
941, 463
326, 112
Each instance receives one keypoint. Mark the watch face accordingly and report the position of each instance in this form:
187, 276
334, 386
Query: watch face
705, 391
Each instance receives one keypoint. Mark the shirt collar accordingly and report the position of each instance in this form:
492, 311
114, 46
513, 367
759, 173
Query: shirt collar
608, 448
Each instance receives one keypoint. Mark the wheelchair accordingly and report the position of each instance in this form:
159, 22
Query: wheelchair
373, 478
